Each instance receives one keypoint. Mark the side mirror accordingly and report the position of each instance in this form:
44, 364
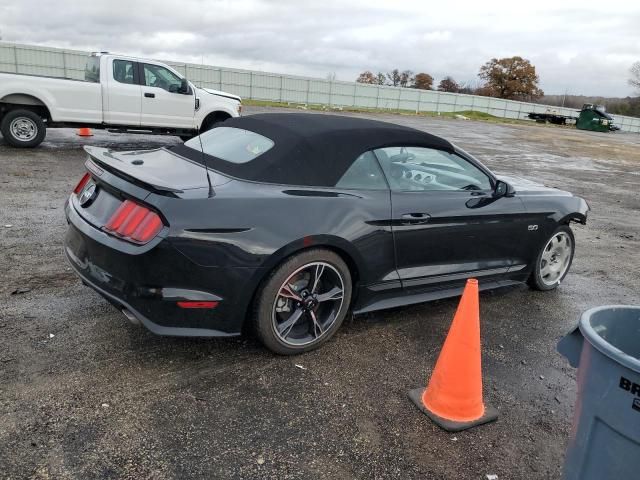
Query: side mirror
503, 189
184, 87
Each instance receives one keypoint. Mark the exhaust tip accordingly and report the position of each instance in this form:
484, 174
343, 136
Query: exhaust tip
131, 317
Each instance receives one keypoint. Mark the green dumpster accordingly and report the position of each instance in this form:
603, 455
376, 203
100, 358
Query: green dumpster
595, 118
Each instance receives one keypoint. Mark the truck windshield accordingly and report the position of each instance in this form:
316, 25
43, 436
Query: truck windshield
92, 70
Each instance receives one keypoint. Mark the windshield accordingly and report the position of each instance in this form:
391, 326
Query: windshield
231, 144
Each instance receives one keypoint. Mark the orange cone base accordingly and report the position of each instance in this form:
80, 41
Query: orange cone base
490, 414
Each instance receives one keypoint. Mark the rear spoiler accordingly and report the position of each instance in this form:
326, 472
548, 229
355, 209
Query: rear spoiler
102, 159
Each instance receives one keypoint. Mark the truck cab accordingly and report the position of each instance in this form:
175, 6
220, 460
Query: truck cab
119, 93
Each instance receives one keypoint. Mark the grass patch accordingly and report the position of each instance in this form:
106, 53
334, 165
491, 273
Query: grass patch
469, 114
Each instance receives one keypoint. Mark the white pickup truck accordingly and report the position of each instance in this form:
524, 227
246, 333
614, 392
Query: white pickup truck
120, 94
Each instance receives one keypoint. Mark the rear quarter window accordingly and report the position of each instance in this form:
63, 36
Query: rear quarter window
233, 145
123, 71
92, 70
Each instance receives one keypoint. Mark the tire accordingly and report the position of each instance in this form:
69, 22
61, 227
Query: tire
553, 260
212, 121
205, 126
295, 313
23, 129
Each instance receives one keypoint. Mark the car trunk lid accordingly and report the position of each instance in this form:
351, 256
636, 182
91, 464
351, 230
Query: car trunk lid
160, 169
115, 196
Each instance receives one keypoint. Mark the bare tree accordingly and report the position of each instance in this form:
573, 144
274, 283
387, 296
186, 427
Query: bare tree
634, 81
394, 77
406, 78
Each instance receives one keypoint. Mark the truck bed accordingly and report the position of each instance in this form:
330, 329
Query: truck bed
67, 100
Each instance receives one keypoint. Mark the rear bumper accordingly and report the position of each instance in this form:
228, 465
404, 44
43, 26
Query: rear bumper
149, 282
136, 317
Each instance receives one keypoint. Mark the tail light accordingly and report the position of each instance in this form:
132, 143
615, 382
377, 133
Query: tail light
83, 181
134, 222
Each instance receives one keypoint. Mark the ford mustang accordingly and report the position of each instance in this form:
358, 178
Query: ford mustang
286, 222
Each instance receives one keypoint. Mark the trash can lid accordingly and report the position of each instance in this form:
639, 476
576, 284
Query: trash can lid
615, 331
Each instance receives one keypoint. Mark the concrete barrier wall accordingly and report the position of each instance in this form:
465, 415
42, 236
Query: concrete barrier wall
275, 87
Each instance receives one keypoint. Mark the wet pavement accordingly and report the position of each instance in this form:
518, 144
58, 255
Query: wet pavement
85, 395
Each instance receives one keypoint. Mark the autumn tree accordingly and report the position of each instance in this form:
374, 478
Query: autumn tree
372, 78
512, 78
634, 81
423, 81
448, 84
367, 77
484, 91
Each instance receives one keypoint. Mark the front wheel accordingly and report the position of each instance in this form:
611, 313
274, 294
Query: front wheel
554, 260
303, 302
23, 128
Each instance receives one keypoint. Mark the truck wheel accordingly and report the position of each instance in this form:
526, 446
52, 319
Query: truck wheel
23, 128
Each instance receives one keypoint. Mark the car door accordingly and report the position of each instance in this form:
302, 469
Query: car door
447, 223
162, 103
366, 225
121, 94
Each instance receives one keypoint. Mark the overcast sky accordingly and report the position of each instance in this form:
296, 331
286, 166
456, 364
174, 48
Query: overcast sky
582, 47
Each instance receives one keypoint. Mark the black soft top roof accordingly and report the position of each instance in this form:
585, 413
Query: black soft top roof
312, 149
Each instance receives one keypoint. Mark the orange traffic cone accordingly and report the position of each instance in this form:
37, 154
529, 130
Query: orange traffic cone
453, 397
85, 132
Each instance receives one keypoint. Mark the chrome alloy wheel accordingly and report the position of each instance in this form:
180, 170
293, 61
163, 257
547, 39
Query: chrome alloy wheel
308, 304
555, 258
23, 129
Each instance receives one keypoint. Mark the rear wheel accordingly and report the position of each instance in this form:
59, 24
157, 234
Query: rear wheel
554, 260
23, 128
303, 302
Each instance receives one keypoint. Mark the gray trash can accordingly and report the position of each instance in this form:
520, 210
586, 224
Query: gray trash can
605, 438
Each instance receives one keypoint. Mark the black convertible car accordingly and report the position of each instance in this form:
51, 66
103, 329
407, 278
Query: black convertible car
285, 222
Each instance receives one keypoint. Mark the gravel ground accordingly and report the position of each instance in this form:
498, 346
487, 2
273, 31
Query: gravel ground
83, 394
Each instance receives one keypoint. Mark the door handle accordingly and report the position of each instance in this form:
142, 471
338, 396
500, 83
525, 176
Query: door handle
149, 95
415, 218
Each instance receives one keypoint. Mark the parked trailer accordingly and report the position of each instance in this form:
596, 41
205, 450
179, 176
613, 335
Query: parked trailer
552, 116
591, 117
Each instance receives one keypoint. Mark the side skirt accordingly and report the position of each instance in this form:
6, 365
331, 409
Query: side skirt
403, 299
